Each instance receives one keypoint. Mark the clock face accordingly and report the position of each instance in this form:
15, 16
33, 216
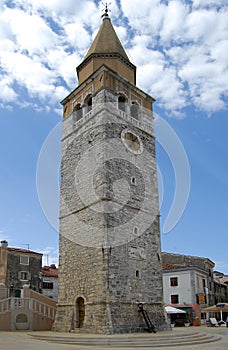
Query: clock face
132, 141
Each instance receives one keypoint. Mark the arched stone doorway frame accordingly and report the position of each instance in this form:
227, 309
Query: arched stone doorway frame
79, 311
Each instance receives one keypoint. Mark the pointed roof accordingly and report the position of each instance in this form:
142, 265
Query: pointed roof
106, 49
106, 41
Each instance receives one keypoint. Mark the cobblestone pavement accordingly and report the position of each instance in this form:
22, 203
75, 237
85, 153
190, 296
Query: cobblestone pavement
26, 340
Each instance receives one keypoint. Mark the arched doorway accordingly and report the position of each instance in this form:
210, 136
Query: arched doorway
80, 312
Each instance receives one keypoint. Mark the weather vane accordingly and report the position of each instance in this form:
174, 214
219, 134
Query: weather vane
106, 9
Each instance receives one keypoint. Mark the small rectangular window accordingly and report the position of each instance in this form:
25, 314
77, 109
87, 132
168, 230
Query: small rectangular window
24, 259
173, 281
24, 276
47, 285
175, 299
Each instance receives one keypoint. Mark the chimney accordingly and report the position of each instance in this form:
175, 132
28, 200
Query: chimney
4, 244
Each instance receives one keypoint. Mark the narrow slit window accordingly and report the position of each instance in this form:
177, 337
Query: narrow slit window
135, 231
133, 180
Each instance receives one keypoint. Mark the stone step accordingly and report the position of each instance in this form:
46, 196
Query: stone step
132, 341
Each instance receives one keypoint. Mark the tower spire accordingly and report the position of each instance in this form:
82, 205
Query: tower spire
106, 49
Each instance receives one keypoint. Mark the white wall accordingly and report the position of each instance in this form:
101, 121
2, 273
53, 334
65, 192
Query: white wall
51, 292
184, 288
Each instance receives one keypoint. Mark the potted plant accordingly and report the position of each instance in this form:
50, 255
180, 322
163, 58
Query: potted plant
196, 322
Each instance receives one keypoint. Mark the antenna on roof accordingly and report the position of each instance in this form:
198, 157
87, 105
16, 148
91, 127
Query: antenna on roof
28, 246
106, 9
47, 257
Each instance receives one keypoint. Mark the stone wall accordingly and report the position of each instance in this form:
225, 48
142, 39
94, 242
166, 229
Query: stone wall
109, 224
14, 267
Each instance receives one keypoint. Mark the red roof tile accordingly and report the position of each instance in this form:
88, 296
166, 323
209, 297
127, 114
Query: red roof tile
25, 251
49, 271
172, 266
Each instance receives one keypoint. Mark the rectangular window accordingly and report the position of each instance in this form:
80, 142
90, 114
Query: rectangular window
24, 259
24, 276
47, 285
175, 299
173, 281
204, 283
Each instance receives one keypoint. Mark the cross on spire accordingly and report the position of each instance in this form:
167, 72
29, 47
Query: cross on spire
106, 9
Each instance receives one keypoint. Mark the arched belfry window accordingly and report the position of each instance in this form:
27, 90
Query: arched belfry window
134, 110
77, 111
88, 103
122, 102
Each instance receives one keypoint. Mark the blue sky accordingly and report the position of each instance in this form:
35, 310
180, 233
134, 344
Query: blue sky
180, 50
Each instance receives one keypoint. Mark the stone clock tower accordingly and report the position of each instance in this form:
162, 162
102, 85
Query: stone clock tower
110, 259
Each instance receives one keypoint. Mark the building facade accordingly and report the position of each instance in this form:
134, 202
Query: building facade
19, 267
221, 287
49, 282
188, 284
110, 259
22, 307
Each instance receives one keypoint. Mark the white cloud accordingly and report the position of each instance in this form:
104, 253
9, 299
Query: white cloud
174, 21
191, 42
122, 34
205, 76
6, 87
163, 82
31, 33
142, 55
180, 49
143, 17
207, 3
77, 35
29, 73
206, 26
63, 64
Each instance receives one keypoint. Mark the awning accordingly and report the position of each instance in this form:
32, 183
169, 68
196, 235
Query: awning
216, 308
221, 307
174, 310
